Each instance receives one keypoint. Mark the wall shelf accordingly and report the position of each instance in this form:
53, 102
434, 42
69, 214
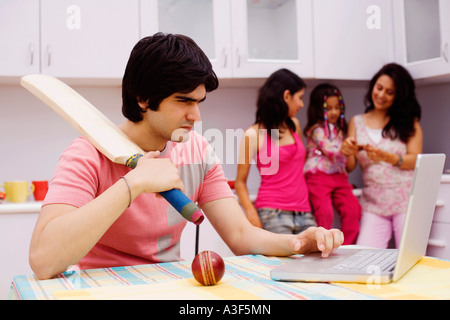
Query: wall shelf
26, 207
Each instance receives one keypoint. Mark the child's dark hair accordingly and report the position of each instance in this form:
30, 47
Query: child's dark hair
405, 109
315, 114
272, 111
161, 65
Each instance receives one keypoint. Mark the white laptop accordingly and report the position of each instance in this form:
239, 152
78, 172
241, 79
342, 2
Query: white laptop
380, 265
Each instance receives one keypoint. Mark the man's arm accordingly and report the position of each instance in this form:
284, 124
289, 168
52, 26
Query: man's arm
64, 234
227, 218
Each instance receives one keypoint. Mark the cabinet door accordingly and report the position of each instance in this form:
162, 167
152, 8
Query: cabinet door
422, 33
205, 21
271, 34
19, 37
88, 39
352, 38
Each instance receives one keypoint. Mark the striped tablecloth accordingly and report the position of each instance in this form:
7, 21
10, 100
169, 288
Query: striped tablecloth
246, 277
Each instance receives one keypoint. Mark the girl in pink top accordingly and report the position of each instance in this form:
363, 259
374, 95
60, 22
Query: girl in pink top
282, 204
325, 165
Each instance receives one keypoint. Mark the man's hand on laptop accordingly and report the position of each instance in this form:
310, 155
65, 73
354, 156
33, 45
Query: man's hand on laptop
317, 239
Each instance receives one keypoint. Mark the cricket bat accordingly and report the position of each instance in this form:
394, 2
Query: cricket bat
101, 132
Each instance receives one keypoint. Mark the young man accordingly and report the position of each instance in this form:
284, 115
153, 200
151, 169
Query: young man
101, 214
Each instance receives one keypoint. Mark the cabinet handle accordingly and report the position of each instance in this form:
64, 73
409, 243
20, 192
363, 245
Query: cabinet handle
31, 54
238, 58
49, 56
445, 52
225, 57
436, 243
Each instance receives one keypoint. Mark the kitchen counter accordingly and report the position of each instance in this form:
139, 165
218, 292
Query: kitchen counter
35, 206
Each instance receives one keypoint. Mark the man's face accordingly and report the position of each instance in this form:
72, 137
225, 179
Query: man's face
176, 113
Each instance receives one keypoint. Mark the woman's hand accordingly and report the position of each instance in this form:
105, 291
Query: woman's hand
376, 155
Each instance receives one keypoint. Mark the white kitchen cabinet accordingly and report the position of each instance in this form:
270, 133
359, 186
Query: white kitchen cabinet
353, 39
422, 36
439, 240
242, 38
205, 21
17, 221
87, 39
19, 37
271, 34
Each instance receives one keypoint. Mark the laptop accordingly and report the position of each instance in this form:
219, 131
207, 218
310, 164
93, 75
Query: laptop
363, 265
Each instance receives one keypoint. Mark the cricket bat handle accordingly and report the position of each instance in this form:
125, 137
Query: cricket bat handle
183, 205
188, 209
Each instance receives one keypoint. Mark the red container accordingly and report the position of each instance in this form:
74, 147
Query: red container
40, 189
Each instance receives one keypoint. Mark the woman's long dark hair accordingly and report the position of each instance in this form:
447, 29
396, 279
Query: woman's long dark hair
272, 111
405, 109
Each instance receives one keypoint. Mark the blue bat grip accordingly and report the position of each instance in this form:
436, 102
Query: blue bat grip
183, 205
176, 198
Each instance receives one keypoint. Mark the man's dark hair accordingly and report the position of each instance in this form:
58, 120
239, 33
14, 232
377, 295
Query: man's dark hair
161, 65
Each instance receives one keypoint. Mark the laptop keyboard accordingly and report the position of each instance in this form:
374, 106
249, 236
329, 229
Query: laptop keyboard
362, 260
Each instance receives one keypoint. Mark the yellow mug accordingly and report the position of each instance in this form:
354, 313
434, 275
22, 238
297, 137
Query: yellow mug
17, 191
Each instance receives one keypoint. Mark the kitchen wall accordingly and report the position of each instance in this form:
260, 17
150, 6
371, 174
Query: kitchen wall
32, 136
435, 102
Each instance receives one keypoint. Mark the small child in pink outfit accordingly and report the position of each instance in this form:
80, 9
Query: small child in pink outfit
324, 168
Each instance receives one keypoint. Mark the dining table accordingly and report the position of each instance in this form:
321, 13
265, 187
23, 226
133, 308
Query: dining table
246, 277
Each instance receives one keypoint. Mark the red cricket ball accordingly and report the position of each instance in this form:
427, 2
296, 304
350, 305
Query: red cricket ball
208, 268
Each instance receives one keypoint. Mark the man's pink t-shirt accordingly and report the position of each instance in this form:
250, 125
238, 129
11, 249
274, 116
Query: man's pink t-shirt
149, 230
